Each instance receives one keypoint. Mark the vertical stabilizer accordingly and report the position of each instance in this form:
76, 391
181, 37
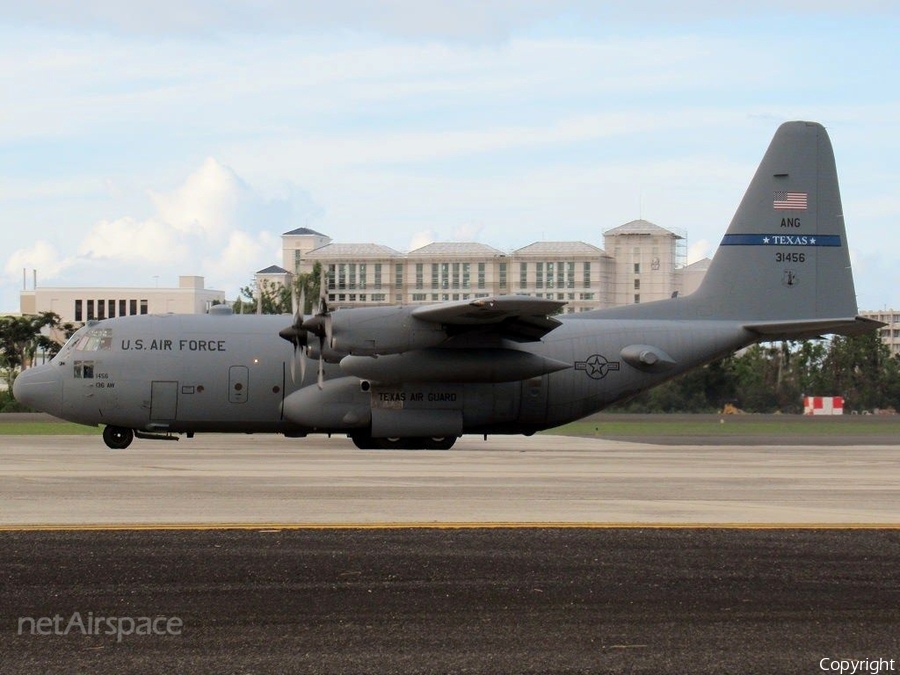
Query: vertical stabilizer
785, 256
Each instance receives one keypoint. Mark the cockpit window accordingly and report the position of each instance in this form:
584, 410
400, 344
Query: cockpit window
70, 345
94, 340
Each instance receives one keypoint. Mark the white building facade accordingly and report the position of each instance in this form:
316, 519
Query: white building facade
79, 305
647, 264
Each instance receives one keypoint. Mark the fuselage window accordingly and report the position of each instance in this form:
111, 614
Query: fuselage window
84, 370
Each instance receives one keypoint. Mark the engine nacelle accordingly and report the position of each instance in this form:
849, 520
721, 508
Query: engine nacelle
367, 331
339, 405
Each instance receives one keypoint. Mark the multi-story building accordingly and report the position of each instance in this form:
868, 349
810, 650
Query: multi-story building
647, 264
890, 332
78, 305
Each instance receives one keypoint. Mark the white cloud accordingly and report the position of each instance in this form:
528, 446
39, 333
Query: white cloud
423, 238
129, 240
699, 250
470, 20
41, 256
467, 232
213, 223
210, 202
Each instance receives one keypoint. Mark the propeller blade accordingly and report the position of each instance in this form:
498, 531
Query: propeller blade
321, 379
294, 366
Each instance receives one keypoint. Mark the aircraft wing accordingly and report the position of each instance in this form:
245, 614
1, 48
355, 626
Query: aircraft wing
516, 317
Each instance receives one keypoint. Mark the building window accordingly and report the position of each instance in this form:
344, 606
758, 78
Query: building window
637, 284
455, 268
549, 275
378, 276
123, 307
112, 308
445, 275
539, 275
90, 310
362, 276
480, 275
132, 307
297, 260
503, 275
419, 297
434, 277
420, 277
560, 275
586, 280
101, 309
398, 275
523, 275
78, 311
570, 275
466, 275
144, 306
637, 298
637, 268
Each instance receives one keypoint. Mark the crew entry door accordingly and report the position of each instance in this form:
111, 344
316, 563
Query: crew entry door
163, 401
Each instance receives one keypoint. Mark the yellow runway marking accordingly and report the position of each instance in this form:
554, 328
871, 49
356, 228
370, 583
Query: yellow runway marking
274, 527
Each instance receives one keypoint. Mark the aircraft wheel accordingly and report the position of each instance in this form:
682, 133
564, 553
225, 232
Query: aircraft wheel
364, 442
117, 438
393, 443
440, 443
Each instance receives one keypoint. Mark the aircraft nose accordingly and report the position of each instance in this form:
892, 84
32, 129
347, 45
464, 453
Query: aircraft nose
40, 388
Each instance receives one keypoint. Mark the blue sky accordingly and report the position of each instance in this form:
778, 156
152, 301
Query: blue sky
140, 141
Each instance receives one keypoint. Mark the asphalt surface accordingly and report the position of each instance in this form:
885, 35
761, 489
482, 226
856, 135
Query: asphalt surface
351, 596
533, 600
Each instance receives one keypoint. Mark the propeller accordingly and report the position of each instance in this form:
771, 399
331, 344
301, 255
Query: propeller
296, 334
320, 325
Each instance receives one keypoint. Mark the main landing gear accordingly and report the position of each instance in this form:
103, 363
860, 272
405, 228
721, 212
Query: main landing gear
366, 442
117, 438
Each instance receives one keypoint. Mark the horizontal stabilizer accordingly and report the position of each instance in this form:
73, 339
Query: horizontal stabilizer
801, 330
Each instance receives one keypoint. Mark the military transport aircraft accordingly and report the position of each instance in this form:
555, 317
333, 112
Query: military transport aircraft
421, 376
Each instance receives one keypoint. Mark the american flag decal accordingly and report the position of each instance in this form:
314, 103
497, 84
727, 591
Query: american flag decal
789, 201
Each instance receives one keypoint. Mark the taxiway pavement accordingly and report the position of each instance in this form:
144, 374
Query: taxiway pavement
512, 555
238, 479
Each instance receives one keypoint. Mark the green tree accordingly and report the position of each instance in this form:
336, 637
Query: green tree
309, 285
21, 337
277, 298
859, 368
270, 298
